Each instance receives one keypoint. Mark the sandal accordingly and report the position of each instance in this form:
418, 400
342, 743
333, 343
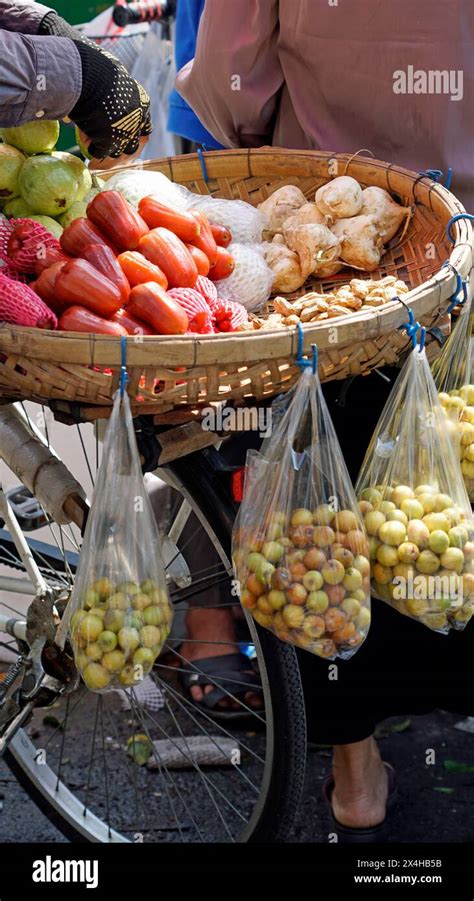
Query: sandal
228, 673
363, 834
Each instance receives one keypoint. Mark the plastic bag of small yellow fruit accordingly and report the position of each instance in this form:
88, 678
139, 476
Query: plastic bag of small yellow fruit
121, 610
415, 507
300, 552
453, 372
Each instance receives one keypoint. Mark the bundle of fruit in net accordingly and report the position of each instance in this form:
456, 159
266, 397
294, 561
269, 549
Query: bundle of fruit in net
121, 610
415, 507
244, 221
454, 379
299, 548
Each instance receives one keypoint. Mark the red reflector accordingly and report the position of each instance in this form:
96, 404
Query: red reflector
237, 484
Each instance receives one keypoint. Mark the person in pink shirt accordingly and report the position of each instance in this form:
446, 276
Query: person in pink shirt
396, 77
339, 75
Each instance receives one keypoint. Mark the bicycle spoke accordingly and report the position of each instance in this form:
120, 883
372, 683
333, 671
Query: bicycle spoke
185, 703
166, 770
209, 738
193, 763
214, 680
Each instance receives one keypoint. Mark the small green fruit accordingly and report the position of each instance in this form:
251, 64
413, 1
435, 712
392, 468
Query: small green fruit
150, 636
145, 658
107, 641
128, 639
90, 627
95, 676
113, 661
94, 651
114, 620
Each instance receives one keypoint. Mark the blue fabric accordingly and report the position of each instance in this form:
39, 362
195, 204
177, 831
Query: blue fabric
182, 120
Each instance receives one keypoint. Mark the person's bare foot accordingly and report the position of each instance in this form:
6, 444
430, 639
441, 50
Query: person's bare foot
360, 784
206, 628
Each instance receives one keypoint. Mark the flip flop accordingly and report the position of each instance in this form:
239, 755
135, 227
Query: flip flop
365, 834
226, 673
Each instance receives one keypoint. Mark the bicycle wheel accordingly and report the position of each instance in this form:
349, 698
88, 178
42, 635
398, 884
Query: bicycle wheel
78, 769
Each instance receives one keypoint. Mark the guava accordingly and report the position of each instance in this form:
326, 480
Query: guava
81, 145
17, 209
48, 185
39, 136
54, 227
11, 162
80, 171
77, 210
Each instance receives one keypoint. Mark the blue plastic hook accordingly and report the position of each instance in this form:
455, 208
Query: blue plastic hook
422, 339
461, 285
124, 377
435, 174
411, 327
203, 164
456, 219
300, 360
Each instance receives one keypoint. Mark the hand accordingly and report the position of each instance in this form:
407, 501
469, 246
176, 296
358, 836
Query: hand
55, 26
111, 162
113, 109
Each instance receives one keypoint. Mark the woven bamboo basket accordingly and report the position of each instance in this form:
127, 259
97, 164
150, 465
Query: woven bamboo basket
174, 377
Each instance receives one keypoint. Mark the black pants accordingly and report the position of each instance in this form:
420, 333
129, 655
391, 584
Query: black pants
402, 667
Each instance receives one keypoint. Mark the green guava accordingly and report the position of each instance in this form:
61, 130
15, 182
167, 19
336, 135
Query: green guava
48, 185
80, 170
11, 161
81, 145
39, 136
54, 227
17, 209
76, 211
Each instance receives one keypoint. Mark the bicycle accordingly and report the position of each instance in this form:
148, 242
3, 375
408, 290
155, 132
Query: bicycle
80, 774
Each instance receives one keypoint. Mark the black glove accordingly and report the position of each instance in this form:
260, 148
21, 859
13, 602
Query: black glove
55, 26
113, 109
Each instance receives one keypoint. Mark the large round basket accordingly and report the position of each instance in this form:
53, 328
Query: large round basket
175, 377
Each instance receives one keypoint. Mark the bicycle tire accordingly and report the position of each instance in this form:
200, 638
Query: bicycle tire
198, 475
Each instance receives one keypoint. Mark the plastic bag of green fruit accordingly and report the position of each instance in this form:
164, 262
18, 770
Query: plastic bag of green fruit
453, 372
415, 506
300, 551
121, 612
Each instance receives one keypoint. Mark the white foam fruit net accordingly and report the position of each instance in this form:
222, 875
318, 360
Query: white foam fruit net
244, 221
251, 281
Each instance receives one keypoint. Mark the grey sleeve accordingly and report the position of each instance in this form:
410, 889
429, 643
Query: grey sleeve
39, 77
23, 16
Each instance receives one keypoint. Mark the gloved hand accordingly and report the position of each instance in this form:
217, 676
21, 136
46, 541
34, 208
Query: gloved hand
57, 27
113, 109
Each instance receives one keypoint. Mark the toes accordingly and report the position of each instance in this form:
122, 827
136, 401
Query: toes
196, 692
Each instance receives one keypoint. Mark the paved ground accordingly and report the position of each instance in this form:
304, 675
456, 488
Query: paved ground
423, 812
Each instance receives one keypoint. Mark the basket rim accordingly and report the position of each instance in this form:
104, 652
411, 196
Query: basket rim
279, 343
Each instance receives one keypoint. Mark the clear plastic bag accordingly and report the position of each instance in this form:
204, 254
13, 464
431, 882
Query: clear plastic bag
415, 507
299, 549
454, 378
121, 610
155, 69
